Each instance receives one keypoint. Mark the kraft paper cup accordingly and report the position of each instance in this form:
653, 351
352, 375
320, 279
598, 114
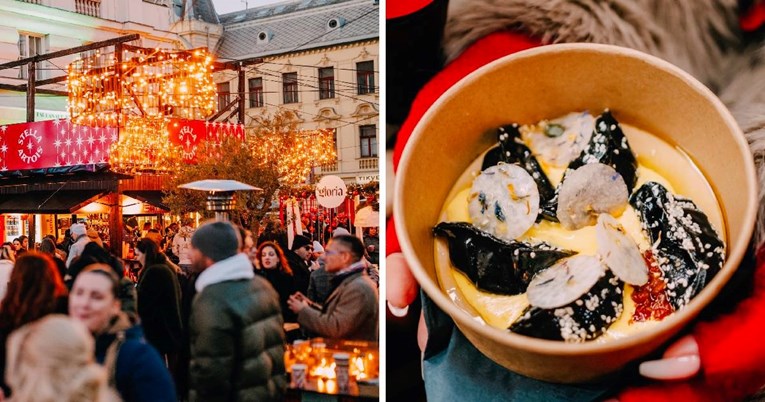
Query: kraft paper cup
547, 82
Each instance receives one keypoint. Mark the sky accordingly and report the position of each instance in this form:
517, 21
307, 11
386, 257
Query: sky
227, 6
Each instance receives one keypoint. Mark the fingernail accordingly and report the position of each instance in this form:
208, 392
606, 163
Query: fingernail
676, 368
685, 346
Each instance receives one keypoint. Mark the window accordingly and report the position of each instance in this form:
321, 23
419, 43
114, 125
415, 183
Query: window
290, 87
326, 82
256, 92
224, 94
368, 139
365, 76
31, 45
334, 141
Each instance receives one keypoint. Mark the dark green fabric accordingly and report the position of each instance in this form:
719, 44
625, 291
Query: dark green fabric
237, 343
454, 370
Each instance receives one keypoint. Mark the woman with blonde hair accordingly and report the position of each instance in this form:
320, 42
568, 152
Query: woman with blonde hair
134, 367
52, 359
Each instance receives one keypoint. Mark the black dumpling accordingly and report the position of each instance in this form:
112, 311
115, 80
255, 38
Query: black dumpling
492, 264
687, 248
582, 320
609, 146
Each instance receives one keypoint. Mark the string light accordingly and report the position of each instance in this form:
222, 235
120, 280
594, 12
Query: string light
139, 92
295, 153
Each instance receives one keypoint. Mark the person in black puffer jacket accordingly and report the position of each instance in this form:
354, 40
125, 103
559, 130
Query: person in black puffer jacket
237, 339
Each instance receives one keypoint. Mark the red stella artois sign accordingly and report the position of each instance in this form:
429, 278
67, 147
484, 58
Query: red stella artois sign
55, 143
189, 134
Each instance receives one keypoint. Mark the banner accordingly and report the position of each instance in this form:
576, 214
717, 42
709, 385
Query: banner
189, 134
56, 143
53, 143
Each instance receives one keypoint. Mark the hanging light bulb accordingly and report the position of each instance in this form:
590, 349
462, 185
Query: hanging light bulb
140, 95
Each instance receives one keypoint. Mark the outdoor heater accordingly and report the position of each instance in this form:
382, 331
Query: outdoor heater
220, 194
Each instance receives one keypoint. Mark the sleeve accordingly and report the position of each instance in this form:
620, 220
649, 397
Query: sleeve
155, 289
147, 377
342, 318
212, 350
74, 252
731, 351
311, 294
147, 297
176, 246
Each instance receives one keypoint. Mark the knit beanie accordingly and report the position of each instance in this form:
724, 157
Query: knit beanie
300, 241
340, 231
77, 230
317, 247
217, 240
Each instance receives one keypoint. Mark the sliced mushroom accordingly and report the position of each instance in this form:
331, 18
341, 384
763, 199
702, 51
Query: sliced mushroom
504, 201
620, 252
588, 191
565, 281
559, 141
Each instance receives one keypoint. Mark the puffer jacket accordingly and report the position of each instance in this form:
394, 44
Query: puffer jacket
237, 342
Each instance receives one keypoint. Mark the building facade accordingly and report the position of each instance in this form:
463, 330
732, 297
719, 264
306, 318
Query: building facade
315, 58
318, 59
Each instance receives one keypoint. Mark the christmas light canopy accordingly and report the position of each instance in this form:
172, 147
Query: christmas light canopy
138, 90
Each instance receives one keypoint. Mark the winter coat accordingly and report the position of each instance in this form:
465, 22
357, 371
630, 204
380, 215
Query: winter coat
76, 249
6, 266
284, 284
182, 245
374, 255
237, 339
350, 312
320, 286
300, 270
159, 307
139, 373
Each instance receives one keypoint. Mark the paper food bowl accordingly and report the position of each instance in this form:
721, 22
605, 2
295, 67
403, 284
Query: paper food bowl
547, 82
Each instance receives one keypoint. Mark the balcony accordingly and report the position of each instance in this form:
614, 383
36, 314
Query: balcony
88, 7
368, 164
329, 167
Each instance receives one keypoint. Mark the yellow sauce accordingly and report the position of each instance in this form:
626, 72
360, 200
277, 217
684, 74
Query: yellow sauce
677, 173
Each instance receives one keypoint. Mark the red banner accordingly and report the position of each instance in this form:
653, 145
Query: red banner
190, 133
53, 143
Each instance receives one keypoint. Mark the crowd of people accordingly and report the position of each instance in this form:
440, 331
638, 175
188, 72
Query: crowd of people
201, 320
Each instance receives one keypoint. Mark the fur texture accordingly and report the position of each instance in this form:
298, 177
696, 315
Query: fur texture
700, 36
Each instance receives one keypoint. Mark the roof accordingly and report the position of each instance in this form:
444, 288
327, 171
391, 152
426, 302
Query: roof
202, 10
48, 202
297, 25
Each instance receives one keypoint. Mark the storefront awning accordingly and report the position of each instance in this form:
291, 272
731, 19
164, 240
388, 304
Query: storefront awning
47, 202
151, 197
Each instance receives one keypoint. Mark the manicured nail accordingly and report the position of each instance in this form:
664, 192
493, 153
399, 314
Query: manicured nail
676, 368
